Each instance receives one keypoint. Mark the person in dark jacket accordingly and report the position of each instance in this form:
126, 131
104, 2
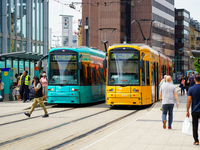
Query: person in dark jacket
186, 83
191, 80
38, 98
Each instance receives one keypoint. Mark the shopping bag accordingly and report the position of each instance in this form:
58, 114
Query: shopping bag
187, 127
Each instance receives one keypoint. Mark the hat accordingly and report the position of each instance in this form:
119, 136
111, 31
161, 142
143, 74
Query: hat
44, 74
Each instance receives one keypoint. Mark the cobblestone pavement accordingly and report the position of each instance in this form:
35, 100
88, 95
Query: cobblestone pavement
91, 127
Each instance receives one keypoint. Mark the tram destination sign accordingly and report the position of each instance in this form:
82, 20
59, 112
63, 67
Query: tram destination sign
124, 56
63, 58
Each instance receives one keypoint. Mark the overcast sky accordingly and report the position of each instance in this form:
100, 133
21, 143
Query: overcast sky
56, 9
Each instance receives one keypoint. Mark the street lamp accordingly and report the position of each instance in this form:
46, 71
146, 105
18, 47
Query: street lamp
161, 48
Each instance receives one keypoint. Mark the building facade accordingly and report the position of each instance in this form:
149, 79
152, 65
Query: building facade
23, 27
121, 15
105, 15
182, 40
194, 40
162, 32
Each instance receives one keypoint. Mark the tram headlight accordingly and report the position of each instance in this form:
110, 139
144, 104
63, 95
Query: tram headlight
72, 89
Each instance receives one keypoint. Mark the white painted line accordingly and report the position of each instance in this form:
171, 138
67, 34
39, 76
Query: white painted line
117, 130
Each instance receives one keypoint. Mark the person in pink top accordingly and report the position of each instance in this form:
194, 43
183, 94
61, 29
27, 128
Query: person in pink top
43, 81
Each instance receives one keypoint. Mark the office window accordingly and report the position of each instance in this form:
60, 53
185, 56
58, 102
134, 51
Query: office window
8, 63
186, 15
19, 19
8, 45
42, 21
176, 22
186, 32
38, 48
186, 23
13, 13
12, 45
24, 46
1, 16
33, 19
8, 17
19, 46
38, 20
0, 45
180, 13
34, 47
42, 49
24, 19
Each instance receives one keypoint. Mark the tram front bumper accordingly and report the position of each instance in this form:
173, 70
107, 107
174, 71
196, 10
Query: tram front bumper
63, 97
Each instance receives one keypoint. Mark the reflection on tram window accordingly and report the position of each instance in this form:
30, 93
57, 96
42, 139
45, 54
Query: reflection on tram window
123, 68
63, 69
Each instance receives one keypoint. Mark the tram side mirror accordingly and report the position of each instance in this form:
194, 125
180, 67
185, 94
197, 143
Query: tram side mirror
104, 63
40, 64
141, 64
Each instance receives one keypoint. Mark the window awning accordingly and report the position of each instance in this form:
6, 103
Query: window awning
21, 56
196, 53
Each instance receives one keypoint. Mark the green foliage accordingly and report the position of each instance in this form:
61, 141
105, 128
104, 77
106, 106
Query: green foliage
197, 66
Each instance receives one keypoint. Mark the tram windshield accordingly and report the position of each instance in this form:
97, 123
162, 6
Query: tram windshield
63, 69
123, 68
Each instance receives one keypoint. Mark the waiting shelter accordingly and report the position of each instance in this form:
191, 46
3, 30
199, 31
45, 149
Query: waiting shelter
16, 62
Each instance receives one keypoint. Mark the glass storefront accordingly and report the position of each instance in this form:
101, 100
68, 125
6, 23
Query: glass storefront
21, 66
31, 70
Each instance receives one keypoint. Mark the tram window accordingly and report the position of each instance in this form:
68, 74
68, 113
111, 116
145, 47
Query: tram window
143, 75
85, 75
93, 76
147, 72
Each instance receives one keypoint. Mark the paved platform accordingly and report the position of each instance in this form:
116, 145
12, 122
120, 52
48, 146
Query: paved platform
142, 130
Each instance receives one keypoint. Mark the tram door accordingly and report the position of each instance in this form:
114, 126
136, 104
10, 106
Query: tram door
157, 82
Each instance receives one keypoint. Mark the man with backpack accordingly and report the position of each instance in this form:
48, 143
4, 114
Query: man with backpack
38, 98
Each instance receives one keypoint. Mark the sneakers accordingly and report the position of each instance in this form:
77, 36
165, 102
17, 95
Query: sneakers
169, 128
45, 115
27, 114
164, 124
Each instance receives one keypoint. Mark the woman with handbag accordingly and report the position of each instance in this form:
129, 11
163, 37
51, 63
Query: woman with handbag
182, 85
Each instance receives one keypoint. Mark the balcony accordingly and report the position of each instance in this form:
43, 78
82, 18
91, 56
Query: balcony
198, 38
192, 47
197, 48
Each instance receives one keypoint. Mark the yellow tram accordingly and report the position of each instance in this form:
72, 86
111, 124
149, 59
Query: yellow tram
133, 74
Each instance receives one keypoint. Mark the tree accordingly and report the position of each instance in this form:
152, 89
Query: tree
197, 65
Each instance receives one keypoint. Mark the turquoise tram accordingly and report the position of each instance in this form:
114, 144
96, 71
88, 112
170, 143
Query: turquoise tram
75, 75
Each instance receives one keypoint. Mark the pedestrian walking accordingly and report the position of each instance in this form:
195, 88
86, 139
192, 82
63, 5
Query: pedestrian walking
166, 94
43, 81
24, 83
38, 98
163, 80
186, 83
182, 85
15, 91
194, 97
191, 80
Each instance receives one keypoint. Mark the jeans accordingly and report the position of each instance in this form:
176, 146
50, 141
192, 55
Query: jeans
182, 89
168, 108
195, 123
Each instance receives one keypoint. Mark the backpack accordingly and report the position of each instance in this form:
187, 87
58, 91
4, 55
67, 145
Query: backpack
192, 81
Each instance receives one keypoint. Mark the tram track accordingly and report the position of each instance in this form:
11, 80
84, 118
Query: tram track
17, 113
51, 128
34, 117
90, 132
